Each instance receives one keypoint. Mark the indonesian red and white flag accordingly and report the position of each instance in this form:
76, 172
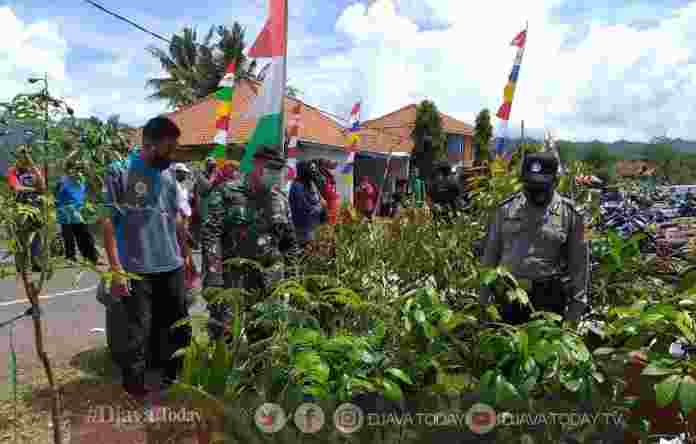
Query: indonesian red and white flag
520, 40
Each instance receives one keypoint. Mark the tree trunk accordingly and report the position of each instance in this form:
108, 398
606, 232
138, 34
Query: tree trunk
33, 296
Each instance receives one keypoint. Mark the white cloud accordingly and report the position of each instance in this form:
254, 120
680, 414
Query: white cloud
619, 82
28, 50
101, 89
604, 88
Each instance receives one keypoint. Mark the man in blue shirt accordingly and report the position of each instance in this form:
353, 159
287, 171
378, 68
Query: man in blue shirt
141, 225
70, 193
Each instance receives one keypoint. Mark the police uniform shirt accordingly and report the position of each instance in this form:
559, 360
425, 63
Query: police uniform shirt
537, 242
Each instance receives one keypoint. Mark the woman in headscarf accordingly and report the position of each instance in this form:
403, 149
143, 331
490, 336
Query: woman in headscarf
305, 202
366, 197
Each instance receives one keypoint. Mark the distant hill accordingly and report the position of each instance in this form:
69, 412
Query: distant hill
624, 149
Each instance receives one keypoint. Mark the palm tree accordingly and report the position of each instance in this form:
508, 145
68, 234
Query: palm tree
195, 69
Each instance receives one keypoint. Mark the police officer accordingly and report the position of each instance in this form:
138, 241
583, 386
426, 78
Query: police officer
445, 192
539, 236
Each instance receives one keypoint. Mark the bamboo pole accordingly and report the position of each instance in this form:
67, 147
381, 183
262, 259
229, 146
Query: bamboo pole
283, 123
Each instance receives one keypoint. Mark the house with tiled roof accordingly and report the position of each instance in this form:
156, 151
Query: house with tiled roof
382, 135
320, 135
197, 124
393, 132
635, 168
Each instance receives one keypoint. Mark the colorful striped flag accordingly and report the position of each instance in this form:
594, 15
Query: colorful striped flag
354, 127
353, 138
267, 108
223, 112
509, 92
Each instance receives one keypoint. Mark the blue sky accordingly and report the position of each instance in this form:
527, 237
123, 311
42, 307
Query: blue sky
590, 71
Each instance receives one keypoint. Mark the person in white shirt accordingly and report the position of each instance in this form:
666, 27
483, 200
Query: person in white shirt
182, 174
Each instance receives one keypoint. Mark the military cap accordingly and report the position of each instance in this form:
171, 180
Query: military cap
541, 168
273, 158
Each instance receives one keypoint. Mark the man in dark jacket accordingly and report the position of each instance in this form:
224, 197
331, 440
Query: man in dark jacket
399, 197
305, 202
445, 192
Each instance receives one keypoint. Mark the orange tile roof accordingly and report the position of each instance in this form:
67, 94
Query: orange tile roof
392, 131
197, 121
633, 168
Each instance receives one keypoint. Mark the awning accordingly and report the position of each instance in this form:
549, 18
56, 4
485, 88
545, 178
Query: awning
374, 155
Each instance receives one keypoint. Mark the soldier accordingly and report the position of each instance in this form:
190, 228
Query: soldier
258, 228
539, 236
275, 243
224, 226
211, 191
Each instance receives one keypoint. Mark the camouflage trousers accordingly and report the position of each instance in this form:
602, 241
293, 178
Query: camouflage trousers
255, 281
212, 235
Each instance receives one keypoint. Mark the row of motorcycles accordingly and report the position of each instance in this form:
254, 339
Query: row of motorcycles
628, 215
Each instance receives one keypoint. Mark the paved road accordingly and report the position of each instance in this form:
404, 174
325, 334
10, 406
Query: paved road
69, 314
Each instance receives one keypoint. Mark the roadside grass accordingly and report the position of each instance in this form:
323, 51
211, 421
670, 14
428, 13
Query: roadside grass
89, 380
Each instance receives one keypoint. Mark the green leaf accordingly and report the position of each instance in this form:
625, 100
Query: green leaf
666, 390
488, 277
524, 344
392, 391
310, 365
504, 390
419, 316
654, 370
687, 280
492, 312
543, 351
685, 324
487, 387
604, 351
687, 394
361, 383
399, 374
519, 295
598, 377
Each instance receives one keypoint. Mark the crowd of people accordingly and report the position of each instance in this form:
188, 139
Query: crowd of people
156, 211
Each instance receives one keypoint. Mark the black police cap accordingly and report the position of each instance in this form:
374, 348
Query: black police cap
540, 168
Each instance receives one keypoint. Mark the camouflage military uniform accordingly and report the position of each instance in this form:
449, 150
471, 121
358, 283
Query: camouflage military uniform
538, 245
268, 238
211, 232
272, 241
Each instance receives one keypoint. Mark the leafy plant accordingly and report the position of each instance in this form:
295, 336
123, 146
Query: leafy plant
341, 366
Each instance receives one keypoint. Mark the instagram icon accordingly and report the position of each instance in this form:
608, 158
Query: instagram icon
348, 418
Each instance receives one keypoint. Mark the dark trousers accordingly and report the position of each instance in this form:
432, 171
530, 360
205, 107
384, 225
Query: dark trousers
79, 233
156, 302
544, 296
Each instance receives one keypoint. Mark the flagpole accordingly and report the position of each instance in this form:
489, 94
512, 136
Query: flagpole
384, 181
283, 122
